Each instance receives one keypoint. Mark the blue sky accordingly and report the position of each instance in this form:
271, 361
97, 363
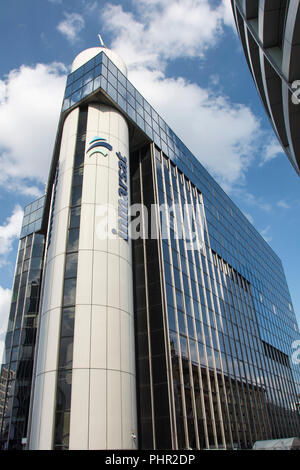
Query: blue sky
185, 57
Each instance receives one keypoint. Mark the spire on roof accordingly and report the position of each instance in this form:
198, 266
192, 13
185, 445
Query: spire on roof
101, 40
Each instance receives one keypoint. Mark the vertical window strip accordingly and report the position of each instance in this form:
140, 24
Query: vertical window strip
10, 376
16, 333
200, 413
228, 271
249, 385
218, 415
144, 248
19, 365
234, 423
64, 374
266, 368
193, 433
176, 363
259, 417
223, 406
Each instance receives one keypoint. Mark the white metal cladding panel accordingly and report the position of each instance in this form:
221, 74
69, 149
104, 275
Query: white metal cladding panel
68, 142
47, 411
87, 226
99, 337
52, 339
59, 232
82, 348
37, 407
114, 410
98, 394
84, 278
113, 339
57, 281
80, 404
63, 189
99, 287
43, 406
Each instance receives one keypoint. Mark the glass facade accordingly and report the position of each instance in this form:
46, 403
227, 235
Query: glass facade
17, 364
213, 323
224, 379
154, 413
33, 213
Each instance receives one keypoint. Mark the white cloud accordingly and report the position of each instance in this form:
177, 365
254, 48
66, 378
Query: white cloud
227, 13
220, 134
5, 297
163, 30
252, 201
71, 26
264, 233
9, 231
249, 217
89, 6
270, 151
283, 204
30, 102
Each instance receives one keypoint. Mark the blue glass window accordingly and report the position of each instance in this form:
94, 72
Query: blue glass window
112, 92
89, 65
131, 112
88, 77
122, 79
122, 102
131, 100
77, 74
112, 80
77, 85
97, 83
130, 88
87, 89
103, 83
98, 59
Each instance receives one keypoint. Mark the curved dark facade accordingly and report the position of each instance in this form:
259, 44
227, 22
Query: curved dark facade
270, 35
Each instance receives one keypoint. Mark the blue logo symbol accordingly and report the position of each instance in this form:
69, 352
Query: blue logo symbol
99, 142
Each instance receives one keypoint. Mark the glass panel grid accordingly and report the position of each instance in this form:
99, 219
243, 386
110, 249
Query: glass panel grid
32, 221
214, 322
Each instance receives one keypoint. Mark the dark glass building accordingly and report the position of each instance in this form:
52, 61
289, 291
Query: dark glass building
180, 338
17, 367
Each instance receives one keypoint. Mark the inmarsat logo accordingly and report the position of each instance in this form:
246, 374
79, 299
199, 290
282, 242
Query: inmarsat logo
99, 142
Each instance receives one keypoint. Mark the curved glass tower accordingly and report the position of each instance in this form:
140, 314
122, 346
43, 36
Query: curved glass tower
176, 335
270, 33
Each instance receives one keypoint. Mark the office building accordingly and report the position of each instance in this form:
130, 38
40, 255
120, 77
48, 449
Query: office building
178, 338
